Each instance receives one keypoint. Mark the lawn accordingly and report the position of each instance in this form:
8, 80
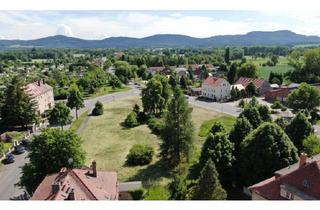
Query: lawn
107, 142
77, 123
226, 120
104, 91
264, 71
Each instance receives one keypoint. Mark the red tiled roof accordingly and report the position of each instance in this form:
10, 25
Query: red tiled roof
85, 186
245, 81
37, 88
270, 188
213, 81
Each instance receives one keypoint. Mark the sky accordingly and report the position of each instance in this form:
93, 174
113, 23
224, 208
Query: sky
28, 25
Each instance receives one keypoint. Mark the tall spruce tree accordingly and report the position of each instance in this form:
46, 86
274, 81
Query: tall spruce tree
209, 187
177, 134
232, 73
75, 99
19, 108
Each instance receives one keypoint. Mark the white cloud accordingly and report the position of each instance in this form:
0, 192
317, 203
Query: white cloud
64, 30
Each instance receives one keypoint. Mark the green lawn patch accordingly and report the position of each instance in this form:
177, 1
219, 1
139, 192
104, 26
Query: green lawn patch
264, 71
157, 193
77, 123
104, 91
226, 120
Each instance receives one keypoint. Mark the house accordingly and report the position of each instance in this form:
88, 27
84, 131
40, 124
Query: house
277, 95
180, 71
84, 184
155, 69
42, 93
195, 91
237, 86
262, 86
215, 88
300, 181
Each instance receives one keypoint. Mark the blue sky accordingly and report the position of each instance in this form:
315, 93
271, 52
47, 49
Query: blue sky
102, 24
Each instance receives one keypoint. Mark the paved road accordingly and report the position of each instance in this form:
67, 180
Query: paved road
9, 175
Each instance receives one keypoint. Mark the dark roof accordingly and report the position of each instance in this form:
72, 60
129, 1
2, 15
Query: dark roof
245, 81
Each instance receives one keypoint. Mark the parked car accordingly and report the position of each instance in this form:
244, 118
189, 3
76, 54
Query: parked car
9, 158
26, 143
19, 149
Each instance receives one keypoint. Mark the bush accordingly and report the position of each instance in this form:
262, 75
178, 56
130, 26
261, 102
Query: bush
284, 109
1, 148
276, 105
98, 109
140, 155
156, 125
138, 194
131, 120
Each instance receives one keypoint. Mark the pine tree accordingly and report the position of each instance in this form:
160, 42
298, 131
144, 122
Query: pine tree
177, 134
209, 187
252, 114
19, 108
183, 82
75, 99
217, 127
227, 55
232, 73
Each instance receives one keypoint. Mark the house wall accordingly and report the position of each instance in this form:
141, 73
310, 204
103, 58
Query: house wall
45, 101
218, 93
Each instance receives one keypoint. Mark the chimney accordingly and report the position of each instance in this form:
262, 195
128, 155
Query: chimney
303, 160
94, 168
71, 195
55, 187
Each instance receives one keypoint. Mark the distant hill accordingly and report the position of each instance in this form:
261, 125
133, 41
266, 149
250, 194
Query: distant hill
283, 37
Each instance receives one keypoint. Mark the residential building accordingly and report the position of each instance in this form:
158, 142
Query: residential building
277, 95
42, 93
262, 86
215, 88
84, 184
180, 71
300, 181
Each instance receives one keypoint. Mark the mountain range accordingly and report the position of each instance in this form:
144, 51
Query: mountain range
282, 37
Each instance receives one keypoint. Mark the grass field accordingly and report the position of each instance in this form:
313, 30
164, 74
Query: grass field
226, 120
107, 142
105, 90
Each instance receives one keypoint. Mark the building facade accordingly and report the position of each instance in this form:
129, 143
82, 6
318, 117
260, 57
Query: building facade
262, 86
42, 93
215, 88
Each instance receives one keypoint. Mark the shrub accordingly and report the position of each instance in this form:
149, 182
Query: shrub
138, 194
156, 125
1, 148
131, 120
311, 145
140, 155
276, 105
98, 109
284, 109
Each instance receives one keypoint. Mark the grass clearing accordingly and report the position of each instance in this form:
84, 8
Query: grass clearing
264, 71
107, 142
104, 91
226, 120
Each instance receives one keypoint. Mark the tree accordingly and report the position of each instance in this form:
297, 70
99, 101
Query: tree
49, 152
60, 115
155, 95
140, 154
252, 114
251, 89
173, 80
305, 97
209, 187
298, 129
311, 145
98, 109
248, 70
19, 108
264, 113
227, 55
239, 131
264, 151
232, 73
274, 59
242, 103
178, 131
282, 122
219, 149
114, 82
183, 82
253, 102
75, 99
178, 187
217, 127
131, 120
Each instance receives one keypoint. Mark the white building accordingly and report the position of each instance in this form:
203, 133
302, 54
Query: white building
215, 88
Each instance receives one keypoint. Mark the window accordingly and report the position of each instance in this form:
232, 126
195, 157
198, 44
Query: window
306, 183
